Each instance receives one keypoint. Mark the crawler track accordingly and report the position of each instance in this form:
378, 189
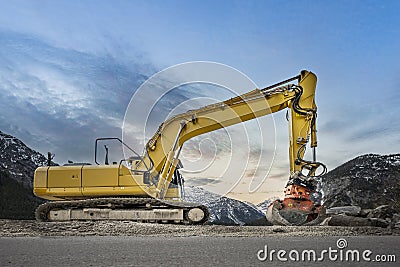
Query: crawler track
134, 209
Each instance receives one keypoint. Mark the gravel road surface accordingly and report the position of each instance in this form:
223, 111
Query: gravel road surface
20, 228
125, 243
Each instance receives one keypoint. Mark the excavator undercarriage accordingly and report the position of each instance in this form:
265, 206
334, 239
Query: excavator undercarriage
124, 208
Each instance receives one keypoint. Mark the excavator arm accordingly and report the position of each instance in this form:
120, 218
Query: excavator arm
164, 147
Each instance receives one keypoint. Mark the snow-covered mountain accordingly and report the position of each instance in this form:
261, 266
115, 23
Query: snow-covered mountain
224, 210
265, 204
367, 181
19, 160
17, 166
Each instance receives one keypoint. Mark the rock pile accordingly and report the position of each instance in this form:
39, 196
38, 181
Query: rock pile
363, 192
382, 216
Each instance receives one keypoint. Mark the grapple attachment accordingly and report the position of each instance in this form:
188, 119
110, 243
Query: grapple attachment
301, 205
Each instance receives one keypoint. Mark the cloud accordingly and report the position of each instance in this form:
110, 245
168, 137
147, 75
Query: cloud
61, 100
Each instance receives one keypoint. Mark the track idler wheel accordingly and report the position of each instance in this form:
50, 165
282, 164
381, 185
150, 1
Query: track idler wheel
197, 215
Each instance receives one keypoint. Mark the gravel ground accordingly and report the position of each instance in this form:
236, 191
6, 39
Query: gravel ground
24, 228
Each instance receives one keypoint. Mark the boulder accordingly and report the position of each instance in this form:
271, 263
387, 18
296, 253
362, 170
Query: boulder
364, 212
347, 210
381, 212
396, 221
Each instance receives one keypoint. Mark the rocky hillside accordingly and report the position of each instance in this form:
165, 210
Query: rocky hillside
17, 166
19, 160
367, 181
16, 201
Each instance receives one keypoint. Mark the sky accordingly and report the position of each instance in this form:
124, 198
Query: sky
68, 69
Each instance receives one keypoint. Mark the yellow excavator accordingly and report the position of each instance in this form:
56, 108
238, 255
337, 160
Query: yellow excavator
147, 188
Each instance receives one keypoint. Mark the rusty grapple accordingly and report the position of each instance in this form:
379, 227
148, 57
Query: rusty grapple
301, 205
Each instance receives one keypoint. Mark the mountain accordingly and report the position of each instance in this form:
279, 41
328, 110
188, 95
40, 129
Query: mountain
223, 210
17, 166
367, 181
19, 160
263, 206
16, 201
